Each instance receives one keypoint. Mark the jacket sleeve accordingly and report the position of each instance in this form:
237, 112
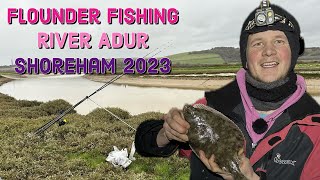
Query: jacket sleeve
311, 169
145, 140
146, 136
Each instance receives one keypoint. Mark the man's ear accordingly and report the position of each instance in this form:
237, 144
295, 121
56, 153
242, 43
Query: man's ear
301, 42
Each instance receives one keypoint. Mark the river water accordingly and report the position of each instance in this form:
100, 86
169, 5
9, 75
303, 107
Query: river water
135, 100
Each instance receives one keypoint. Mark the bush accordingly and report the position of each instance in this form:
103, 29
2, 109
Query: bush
55, 107
22, 112
102, 114
25, 103
76, 150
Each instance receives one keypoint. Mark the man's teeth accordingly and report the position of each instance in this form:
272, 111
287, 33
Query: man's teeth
269, 64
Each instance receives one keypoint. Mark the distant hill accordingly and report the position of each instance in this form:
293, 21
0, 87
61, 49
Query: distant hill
220, 55
197, 57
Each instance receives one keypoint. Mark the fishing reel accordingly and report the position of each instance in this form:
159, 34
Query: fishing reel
61, 122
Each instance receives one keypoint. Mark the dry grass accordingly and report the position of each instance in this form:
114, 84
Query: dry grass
76, 150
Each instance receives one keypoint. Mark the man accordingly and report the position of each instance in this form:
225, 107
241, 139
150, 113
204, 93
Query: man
267, 101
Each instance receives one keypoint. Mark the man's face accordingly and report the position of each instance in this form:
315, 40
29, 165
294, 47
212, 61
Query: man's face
268, 55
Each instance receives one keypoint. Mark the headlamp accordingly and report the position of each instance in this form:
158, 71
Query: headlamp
265, 16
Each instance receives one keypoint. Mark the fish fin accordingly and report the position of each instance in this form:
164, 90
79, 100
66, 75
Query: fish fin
202, 106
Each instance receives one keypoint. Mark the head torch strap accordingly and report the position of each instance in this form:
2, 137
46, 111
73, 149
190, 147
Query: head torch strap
264, 3
277, 18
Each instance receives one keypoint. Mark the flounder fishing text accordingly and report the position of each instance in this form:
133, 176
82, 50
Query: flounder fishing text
82, 40
91, 15
82, 16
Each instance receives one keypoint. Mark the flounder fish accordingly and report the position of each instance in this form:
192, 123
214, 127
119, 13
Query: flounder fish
214, 133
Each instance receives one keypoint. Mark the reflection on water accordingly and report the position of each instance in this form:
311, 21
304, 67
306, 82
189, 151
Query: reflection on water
72, 89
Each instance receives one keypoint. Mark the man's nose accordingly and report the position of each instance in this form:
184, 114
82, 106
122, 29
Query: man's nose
269, 50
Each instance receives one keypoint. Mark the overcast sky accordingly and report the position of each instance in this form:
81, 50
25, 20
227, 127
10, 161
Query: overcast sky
202, 25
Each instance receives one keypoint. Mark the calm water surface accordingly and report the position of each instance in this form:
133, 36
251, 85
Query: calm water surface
74, 88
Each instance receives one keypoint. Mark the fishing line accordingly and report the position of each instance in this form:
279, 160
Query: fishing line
113, 114
58, 118
170, 43
117, 77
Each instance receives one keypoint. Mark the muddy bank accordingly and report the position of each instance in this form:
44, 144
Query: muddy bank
194, 83
4, 80
313, 85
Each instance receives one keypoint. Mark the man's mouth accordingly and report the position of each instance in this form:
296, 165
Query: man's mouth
269, 64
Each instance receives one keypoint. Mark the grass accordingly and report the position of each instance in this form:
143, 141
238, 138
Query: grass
76, 150
203, 58
206, 69
92, 158
308, 70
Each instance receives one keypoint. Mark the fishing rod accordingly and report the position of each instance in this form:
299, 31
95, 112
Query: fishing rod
113, 113
61, 115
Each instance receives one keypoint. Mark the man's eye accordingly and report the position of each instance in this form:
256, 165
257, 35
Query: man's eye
279, 41
258, 44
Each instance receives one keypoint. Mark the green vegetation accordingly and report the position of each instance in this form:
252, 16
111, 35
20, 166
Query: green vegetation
7, 73
311, 66
92, 158
209, 69
76, 150
204, 58
308, 70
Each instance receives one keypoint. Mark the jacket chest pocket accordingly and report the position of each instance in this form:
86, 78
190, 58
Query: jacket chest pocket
288, 157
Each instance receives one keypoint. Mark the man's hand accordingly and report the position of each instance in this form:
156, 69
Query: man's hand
214, 167
175, 127
245, 166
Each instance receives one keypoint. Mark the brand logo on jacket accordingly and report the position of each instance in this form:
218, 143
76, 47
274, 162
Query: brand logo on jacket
278, 160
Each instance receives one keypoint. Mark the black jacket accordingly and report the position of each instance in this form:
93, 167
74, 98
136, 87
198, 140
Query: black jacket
296, 146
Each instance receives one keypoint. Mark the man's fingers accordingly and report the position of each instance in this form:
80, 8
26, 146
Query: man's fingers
175, 115
209, 163
172, 134
175, 126
204, 159
243, 161
178, 127
212, 165
180, 119
241, 152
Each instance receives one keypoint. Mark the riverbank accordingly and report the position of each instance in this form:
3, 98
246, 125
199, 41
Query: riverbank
77, 149
4, 80
211, 83
193, 83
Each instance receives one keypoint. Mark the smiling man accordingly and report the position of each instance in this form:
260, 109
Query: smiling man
267, 101
268, 55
